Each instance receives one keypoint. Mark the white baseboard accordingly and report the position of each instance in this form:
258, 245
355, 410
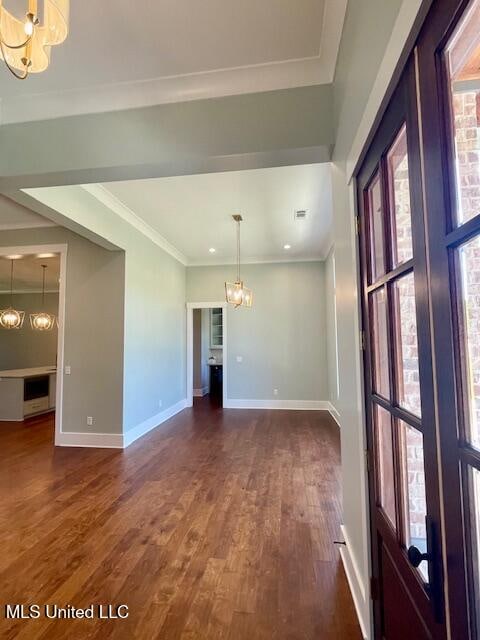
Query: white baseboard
297, 405
199, 393
151, 423
334, 413
357, 586
98, 440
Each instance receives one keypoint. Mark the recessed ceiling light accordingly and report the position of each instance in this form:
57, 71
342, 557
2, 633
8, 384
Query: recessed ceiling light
15, 256
287, 246
45, 255
212, 250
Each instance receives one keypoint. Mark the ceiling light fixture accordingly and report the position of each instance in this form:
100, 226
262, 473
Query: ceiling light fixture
25, 44
235, 292
45, 255
287, 246
212, 250
11, 318
42, 321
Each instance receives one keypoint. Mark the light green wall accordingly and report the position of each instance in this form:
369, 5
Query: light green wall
93, 328
170, 139
366, 32
25, 347
155, 329
282, 338
155, 319
331, 328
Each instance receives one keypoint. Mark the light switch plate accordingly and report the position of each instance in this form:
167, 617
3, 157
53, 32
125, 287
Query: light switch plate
239, 358
68, 370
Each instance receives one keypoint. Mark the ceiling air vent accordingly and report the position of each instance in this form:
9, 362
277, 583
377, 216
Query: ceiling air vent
300, 214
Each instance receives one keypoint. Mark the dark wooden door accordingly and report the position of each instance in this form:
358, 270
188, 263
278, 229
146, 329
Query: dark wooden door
419, 210
404, 479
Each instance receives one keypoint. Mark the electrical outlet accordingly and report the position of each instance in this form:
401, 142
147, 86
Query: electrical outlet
68, 370
89, 421
275, 392
160, 404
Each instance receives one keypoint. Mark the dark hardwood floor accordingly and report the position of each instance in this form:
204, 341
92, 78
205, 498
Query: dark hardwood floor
219, 525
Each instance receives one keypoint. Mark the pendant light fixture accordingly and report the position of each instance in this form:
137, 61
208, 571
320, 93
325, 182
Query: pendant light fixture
11, 318
235, 292
42, 321
25, 43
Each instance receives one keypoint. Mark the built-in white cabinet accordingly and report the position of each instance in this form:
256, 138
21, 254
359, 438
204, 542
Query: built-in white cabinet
27, 392
216, 328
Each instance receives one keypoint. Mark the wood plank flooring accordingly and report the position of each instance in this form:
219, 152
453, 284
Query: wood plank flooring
218, 525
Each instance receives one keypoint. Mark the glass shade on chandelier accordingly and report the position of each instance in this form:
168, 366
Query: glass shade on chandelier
235, 292
11, 318
238, 295
26, 41
42, 321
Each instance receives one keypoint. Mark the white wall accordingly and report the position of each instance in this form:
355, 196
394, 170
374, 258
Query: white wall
281, 339
25, 347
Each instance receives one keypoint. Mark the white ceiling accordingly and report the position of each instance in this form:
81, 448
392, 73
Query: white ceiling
191, 214
151, 51
28, 273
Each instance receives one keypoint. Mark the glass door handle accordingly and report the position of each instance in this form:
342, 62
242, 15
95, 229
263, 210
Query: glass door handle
416, 557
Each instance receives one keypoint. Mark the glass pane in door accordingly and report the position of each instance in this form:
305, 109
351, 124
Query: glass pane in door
463, 62
475, 533
385, 468
399, 187
408, 379
413, 480
375, 223
468, 264
381, 384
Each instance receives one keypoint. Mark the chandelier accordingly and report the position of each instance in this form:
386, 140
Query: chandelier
235, 292
25, 43
11, 318
42, 321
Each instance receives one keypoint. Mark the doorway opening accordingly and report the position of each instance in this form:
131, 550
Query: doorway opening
207, 352
32, 293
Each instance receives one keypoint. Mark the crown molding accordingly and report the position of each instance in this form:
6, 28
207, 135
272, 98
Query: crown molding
12, 226
283, 74
105, 197
247, 261
4, 292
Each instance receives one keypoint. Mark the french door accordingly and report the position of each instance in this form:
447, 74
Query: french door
419, 213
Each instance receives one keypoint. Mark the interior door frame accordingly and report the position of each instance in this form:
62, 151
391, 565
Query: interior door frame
189, 368
62, 250
428, 601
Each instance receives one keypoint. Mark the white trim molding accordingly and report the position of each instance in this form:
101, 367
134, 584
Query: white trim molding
358, 589
201, 85
205, 305
98, 440
152, 423
288, 405
105, 197
334, 413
